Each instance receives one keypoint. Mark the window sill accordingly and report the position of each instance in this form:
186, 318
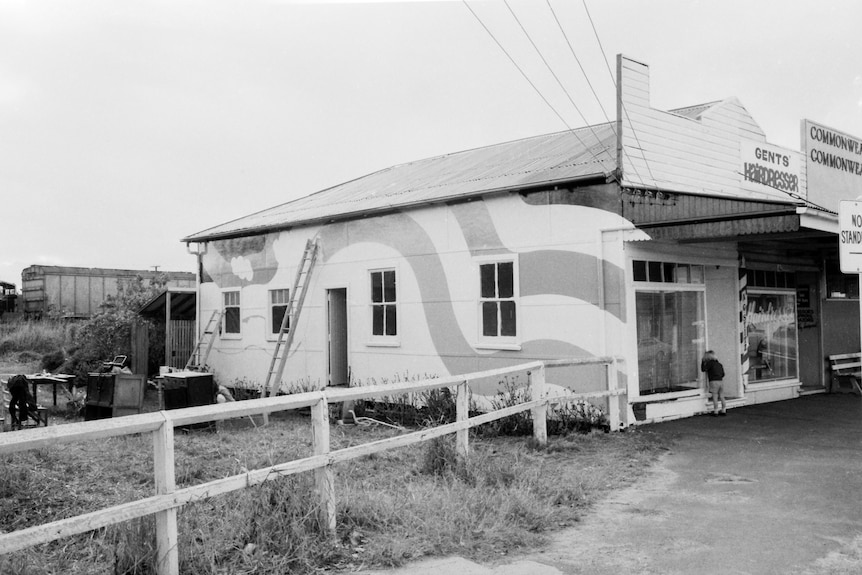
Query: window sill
383, 343
654, 397
234, 336
772, 384
498, 346
273, 337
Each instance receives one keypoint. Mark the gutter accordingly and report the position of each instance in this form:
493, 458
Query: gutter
818, 220
790, 211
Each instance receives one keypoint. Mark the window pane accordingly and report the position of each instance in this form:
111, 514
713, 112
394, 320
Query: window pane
488, 280
771, 328
697, 274
389, 286
668, 272
231, 320
376, 287
506, 279
839, 285
639, 269
278, 312
682, 274
278, 296
670, 331
489, 318
391, 328
654, 271
507, 318
377, 320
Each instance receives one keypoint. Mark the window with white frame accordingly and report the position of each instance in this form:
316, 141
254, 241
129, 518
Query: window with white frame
497, 299
278, 303
671, 325
232, 319
384, 303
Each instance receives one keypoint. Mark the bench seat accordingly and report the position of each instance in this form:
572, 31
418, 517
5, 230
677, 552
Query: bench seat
846, 372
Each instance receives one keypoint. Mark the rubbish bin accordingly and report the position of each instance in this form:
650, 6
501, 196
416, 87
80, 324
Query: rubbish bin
188, 389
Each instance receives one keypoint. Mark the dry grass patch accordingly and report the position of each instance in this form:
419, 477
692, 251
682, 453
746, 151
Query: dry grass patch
392, 507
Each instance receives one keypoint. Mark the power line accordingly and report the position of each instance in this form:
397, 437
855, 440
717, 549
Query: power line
551, 70
622, 105
578, 60
590, 84
542, 96
797, 197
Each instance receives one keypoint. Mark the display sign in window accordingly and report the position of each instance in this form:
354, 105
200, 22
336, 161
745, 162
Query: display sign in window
772, 342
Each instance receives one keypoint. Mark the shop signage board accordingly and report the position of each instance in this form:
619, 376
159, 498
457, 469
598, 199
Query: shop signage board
833, 164
769, 169
850, 236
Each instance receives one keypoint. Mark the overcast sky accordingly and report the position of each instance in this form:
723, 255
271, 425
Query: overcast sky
125, 126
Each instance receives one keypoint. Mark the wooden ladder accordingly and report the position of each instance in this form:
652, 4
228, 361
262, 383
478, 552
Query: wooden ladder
197, 362
291, 317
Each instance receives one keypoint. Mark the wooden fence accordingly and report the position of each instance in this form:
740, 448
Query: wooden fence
167, 498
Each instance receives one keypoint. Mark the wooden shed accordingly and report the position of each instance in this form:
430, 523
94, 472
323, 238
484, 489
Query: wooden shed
175, 310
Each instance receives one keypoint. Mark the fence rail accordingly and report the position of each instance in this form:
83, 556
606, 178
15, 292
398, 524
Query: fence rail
168, 498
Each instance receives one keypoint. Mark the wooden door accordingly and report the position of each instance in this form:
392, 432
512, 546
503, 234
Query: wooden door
336, 309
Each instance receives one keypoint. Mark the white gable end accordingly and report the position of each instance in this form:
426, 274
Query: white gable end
697, 151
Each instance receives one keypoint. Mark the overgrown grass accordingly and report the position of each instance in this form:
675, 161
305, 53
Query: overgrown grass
34, 336
392, 507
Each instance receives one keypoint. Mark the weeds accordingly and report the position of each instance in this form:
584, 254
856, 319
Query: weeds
393, 507
37, 337
133, 546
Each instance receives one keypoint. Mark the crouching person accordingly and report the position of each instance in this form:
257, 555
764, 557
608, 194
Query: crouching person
22, 402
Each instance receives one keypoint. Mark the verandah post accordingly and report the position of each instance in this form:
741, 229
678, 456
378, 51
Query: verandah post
462, 413
167, 555
323, 476
613, 400
538, 390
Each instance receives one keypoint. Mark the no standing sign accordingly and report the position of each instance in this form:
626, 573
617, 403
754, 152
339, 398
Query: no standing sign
850, 236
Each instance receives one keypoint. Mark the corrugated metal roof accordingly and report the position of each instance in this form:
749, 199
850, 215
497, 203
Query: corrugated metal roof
183, 302
546, 159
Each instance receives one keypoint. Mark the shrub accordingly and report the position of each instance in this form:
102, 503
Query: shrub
108, 333
511, 394
53, 360
441, 457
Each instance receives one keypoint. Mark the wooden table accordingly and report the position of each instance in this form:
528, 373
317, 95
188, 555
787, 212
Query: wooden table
48, 379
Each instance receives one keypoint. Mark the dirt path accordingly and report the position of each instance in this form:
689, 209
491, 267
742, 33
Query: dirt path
769, 489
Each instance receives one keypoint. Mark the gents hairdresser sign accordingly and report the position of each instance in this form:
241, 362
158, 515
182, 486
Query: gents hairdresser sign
833, 163
768, 168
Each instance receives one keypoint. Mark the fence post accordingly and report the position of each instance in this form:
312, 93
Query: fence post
323, 476
540, 413
167, 556
462, 413
613, 400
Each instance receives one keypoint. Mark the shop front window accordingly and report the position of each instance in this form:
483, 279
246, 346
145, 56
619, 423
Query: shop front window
670, 330
771, 326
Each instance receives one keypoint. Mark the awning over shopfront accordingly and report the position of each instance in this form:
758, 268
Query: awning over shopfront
678, 216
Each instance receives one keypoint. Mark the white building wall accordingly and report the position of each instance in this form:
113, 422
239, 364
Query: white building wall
438, 317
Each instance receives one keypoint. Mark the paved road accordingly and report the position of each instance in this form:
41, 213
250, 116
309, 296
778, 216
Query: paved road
771, 488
